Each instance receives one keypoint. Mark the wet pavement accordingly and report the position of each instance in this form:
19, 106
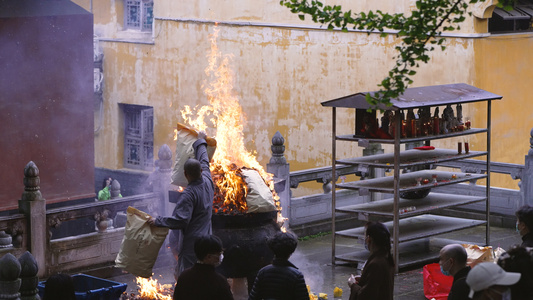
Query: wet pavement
313, 258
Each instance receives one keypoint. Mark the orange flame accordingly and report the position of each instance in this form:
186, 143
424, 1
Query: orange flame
225, 114
149, 288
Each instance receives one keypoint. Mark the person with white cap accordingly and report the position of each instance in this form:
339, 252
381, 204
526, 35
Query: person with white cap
488, 281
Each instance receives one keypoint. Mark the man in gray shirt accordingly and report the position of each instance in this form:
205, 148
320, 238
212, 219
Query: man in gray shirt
192, 214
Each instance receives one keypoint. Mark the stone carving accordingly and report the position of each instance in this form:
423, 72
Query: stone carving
9, 277
6, 240
28, 276
278, 148
102, 221
115, 189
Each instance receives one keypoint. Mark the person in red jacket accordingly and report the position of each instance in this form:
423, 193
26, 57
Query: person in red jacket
377, 278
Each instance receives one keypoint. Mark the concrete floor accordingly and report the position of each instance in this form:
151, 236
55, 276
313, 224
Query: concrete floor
313, 257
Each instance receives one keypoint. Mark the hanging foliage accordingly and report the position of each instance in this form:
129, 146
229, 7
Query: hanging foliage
420, 33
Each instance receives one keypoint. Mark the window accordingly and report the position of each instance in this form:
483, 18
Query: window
517, 19
139, 14
138, 137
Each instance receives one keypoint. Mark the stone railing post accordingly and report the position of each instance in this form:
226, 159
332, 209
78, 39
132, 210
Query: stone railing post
372, 149
526, 185
114, 189
9, 277
280, 168
162, 182
33, 206
29, 278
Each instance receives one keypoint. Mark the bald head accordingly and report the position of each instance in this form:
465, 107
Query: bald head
453, 258
455, 251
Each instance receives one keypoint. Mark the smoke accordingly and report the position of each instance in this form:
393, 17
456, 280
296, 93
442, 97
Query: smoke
312, 270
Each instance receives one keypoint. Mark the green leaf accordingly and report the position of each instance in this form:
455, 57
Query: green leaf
302, 17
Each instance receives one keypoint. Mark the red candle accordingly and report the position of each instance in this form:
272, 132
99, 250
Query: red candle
403, 128
413, 128
459, 147
467, 149
467, 123
436, 129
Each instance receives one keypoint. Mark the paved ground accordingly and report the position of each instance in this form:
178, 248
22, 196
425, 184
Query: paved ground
313, 257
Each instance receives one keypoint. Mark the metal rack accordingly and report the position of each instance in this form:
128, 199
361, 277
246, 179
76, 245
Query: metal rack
410, 226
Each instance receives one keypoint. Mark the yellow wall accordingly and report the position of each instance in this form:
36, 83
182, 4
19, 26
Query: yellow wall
282, 74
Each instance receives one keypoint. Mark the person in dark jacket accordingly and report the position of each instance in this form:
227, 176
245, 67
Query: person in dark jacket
59, 286
524, 225
452, 262
202, 282
192, 214
280, 280
519, 259
377, 278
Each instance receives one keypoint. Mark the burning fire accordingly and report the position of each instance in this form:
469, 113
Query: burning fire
225, 114
150, 289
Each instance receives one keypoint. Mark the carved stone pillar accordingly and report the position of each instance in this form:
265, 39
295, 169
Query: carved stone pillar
28, 276
6, 240
373, 149
527, 178
163, 179
280, 168
114, 190
9, 277
33, 206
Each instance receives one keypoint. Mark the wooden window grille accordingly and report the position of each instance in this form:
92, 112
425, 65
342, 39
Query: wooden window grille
138, 137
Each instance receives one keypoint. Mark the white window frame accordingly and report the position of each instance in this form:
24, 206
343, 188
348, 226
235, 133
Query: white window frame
139, 15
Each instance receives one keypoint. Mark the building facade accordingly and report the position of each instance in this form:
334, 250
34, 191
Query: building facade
283, 68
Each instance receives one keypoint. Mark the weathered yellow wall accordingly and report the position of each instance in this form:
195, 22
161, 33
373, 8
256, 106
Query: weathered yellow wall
282, 74
503, 66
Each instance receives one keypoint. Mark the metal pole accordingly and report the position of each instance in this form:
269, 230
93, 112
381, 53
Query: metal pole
333, 180
487, 234
396, 221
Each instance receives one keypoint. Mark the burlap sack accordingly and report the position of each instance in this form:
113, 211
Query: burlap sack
476, 254
140, 245
259, 198
184, 150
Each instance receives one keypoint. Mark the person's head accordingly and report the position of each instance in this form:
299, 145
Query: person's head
107, 181
208, 250
452, 258
487, 280
377, 238
524, 219
192, 170
59, 286
282, 244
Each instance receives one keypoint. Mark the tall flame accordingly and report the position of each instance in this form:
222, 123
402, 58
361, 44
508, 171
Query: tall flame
226, 115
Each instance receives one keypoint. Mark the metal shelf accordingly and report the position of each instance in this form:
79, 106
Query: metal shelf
410, 158
413, 253
431, 202
352, 138
408, 181
418, 227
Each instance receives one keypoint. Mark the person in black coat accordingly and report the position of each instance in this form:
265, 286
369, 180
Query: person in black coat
280, 280
377, 278
452, 262
202, 282
524, 225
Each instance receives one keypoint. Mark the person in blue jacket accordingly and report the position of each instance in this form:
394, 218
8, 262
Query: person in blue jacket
192, 214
